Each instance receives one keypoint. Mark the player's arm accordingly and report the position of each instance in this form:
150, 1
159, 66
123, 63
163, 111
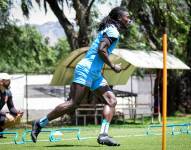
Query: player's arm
103, 53
2, 113
11, 106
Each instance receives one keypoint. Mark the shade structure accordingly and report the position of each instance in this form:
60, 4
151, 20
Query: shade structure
149, 59
129, 60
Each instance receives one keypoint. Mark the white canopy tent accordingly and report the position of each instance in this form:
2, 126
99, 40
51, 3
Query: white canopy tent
149, 59
129, 59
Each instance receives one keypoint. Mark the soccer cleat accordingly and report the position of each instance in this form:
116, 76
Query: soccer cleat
36, 128
104, 139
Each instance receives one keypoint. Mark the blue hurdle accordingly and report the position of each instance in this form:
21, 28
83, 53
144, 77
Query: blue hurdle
15, 136
173, 132
51, 136
25, 132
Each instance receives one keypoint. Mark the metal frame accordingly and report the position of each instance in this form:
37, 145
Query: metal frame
52, 137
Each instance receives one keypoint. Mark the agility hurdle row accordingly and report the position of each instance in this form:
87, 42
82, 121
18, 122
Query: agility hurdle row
184, 128
52, 135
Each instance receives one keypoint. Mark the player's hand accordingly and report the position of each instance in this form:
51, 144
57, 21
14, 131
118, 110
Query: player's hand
11, 121
20, 113
9, 117
116, 67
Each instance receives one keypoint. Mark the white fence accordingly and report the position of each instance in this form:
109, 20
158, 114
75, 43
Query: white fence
36, 103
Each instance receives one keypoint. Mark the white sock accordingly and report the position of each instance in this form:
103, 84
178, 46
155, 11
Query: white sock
104, 127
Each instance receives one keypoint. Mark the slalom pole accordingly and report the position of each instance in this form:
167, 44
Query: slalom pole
164, 104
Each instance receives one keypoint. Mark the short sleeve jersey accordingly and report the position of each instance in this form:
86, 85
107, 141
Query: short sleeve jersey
92, 61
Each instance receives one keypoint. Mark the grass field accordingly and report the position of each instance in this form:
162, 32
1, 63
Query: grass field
131, 137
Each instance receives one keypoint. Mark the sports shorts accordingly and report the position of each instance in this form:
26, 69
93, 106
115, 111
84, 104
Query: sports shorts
91, 79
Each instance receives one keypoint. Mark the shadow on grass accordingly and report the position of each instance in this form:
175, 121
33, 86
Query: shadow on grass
65, 145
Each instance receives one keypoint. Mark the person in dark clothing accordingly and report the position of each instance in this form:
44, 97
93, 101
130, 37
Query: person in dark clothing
6, 98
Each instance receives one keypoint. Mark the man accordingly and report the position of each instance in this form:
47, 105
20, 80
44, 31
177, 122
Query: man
14, 116
88, 75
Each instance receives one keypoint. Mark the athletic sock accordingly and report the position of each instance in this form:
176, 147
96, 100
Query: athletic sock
43, 121
104, 127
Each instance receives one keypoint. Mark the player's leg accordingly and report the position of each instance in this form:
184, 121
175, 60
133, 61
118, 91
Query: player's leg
107, 96
77, 93
2, 121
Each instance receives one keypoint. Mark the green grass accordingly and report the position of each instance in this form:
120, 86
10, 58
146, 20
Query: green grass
131, 137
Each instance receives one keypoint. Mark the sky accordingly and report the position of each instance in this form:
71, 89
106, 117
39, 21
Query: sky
37, 15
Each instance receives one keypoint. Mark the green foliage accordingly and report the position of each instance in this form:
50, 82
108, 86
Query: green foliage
133, 39
4, 4
62, 49
23, 50
151, 18
4, 11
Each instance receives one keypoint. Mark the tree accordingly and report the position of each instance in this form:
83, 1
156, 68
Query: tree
76, 38
62, 49
185, 92
153, 17
4, 13
22, 49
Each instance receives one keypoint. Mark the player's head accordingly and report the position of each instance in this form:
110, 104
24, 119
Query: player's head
5, 80
6, 83
118, 16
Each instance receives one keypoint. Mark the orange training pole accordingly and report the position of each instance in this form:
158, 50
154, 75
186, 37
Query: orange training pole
164, 104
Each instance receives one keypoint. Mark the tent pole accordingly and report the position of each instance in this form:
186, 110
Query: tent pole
159, 74
152, 103
26, 92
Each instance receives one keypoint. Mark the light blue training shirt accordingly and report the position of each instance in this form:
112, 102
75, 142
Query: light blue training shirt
88, 70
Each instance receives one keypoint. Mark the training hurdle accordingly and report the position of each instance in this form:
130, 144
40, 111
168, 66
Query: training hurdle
15, 136
52, 137
25, 132
184, 128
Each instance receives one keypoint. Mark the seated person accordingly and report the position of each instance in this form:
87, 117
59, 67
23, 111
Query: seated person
14, 116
